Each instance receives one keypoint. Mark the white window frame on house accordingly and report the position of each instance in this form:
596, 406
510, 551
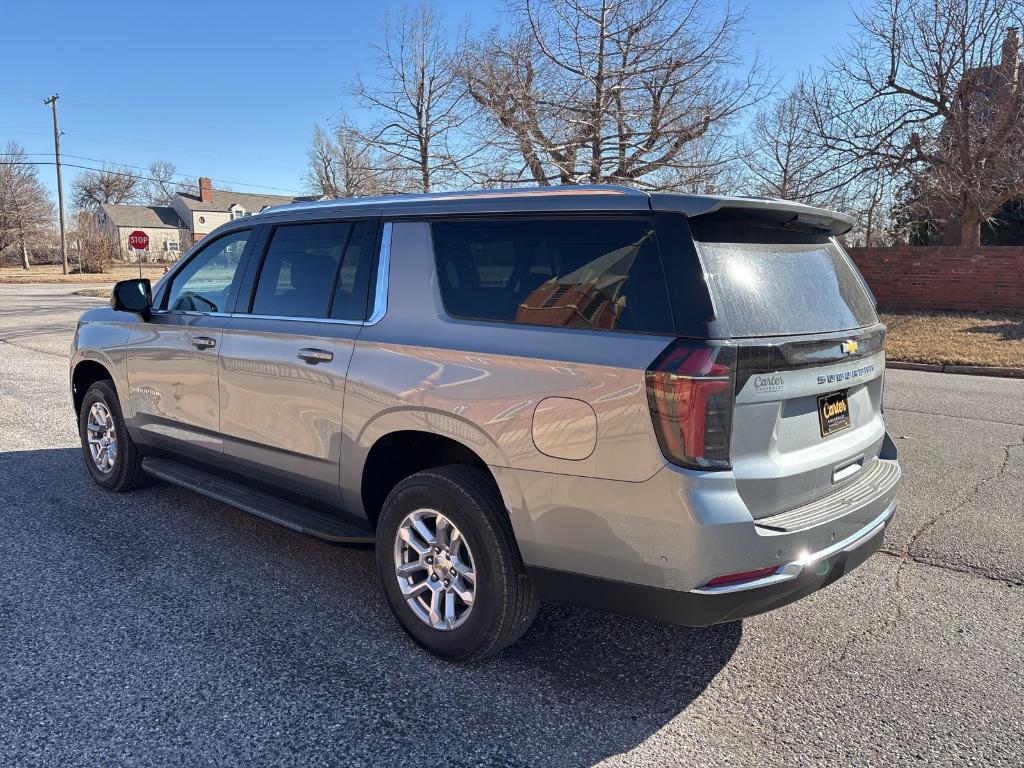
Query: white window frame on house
172, 245
237, 211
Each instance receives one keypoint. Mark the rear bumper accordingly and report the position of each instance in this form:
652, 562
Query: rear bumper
704, 606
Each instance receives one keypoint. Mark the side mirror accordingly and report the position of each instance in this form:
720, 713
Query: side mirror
133, 296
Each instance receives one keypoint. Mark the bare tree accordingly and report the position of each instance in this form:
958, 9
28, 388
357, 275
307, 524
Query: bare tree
609, 91
111, 185
785, 157
26, 213
162, 183
325, 173
933, 89
418, 100
342, 164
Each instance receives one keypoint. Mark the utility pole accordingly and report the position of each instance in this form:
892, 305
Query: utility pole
52, 102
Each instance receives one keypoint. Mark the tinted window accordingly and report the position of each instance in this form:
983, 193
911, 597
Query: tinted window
316, 270
581, 272
770, 284
299, 269
205, 283
351, 293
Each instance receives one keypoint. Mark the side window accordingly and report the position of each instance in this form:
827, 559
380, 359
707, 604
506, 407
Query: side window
352, 292
205, 283
299, 270
582, 272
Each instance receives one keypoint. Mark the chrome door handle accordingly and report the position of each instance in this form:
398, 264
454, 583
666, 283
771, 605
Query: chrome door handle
314, 356
204, 342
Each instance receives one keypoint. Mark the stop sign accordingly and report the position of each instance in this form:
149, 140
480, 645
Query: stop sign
138, 240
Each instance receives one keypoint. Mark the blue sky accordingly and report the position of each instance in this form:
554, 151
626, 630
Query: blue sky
232, 90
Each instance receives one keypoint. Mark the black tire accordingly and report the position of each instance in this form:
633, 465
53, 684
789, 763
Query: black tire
126, 472
504, 604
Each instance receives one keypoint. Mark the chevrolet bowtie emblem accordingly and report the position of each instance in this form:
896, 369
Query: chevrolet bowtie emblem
849, 347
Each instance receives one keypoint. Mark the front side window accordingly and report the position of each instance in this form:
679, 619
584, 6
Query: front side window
205, 283
316, 270
583, 272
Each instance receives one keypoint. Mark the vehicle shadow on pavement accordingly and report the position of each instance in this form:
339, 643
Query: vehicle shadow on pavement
160, 627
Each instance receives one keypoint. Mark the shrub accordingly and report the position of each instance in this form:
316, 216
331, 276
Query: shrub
95, 249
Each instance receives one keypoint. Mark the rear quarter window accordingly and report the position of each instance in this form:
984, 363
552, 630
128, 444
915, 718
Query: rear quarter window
583, 272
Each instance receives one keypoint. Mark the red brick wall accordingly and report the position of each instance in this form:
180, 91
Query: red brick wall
990, 278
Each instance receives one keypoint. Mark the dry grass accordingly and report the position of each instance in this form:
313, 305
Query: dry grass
951, 338
51, 273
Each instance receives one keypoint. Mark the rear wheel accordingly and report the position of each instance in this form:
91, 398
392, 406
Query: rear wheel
449, 564
111, 456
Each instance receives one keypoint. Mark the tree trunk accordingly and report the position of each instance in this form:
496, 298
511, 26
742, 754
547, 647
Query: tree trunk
970, 233
24, 256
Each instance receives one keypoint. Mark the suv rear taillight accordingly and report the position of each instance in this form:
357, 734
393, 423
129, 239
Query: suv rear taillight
690, 393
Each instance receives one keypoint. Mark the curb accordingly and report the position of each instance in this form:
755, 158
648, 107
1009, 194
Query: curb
969, 370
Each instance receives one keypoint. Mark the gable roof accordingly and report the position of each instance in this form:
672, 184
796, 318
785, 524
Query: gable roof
222, 200
151, 216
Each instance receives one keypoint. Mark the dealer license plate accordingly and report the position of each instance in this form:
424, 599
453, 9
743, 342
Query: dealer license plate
833, 413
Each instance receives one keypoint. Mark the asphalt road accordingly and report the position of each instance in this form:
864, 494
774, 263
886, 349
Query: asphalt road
159, 628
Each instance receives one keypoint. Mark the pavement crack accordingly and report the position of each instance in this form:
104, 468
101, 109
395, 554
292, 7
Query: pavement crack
909, 556
972, 570
951, 416
915, 536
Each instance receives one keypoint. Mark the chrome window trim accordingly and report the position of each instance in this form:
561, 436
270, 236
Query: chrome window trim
189, 312
380, 295
332, 320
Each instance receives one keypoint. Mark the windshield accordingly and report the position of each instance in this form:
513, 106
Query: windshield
785, 288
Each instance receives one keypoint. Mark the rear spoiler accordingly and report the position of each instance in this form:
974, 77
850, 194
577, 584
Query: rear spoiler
780, 212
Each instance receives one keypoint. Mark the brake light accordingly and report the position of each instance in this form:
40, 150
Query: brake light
690, 394
739, 578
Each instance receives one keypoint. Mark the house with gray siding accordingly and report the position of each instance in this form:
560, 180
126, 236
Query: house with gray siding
209, 209
168, 234
173, 229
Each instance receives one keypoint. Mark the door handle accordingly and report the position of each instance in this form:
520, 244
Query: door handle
314, 356
204, 342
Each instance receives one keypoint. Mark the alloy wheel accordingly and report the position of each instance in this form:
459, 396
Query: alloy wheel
435, 569
102, 437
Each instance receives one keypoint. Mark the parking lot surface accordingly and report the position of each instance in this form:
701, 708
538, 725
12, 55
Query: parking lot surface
161, 628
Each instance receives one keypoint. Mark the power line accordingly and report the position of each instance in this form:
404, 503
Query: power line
183, 175
136, 175
181, 147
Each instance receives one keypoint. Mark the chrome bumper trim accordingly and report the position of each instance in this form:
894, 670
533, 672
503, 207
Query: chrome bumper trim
793, 569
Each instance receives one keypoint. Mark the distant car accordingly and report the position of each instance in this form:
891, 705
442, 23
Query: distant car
655, 404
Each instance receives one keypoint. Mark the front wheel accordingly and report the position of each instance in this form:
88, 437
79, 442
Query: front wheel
111, 456
449, 564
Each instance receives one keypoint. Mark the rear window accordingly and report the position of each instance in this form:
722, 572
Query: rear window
767, 283
597, 273
297, 276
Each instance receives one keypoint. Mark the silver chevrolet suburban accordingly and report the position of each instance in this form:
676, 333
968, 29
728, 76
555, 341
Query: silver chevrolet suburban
656, 404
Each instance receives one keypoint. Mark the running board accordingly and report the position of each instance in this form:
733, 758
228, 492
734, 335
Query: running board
294, 516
